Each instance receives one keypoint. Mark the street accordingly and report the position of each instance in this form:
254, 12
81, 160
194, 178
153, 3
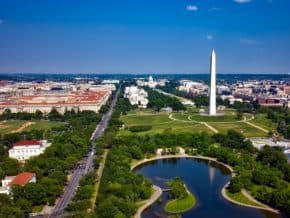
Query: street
85, 166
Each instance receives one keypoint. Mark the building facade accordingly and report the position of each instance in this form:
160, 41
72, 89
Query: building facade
23, 150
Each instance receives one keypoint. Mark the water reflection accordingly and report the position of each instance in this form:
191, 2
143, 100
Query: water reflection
205, 180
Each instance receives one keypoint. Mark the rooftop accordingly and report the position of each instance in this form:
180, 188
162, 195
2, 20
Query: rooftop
22, 179
27, 142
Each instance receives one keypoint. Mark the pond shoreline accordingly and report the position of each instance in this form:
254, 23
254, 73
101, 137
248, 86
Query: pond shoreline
149, 202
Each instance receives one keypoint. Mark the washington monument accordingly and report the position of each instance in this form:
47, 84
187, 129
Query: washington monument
212, 92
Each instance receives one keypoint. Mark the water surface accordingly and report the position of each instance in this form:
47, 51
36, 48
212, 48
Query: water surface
205, 180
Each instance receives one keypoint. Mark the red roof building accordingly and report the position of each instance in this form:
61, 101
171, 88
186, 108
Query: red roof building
27, 143
23, 179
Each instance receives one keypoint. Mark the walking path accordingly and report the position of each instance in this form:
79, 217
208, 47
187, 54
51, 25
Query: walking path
210, 127
251, 198
257, 127
157, 193
22, 127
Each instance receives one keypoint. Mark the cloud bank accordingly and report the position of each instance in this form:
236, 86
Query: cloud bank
191, 8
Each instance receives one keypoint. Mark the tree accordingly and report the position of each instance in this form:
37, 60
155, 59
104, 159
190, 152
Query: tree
235, 185
272, 156
177, 188
10, 167
38, 115
239, 115
54, 115
201, 100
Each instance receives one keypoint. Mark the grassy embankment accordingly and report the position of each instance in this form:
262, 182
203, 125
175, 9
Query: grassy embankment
239, 197
180, 205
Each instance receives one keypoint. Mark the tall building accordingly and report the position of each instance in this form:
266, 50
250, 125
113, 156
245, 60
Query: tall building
212, 98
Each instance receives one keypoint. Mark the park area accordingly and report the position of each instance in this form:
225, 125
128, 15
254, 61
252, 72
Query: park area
15, 126
182, 122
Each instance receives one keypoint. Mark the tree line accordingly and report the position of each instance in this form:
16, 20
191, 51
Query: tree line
157, 101
69, 144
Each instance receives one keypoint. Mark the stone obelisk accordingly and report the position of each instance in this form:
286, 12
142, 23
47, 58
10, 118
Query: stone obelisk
212, 91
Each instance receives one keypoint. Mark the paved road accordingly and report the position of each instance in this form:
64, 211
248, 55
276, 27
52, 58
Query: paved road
85, 165
184, 101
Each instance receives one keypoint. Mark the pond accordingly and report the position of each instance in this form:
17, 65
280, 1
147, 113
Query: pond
205, 179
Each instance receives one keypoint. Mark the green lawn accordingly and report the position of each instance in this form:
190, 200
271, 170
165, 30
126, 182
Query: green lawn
262, 121
245, 129
200, 118
14, 125
145, 119
239, 197
160, 122
11, 125
44, 124
180, 205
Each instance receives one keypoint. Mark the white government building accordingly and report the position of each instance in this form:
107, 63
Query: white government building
26, 149
136, 96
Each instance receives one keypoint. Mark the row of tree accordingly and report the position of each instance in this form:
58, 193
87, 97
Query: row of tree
69, 144
157, 101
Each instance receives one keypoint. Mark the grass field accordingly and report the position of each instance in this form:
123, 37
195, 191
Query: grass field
9, 126
44, 124
180, 205
160, 122
193, 122
20, 125
262, 121
245, 129
239, 197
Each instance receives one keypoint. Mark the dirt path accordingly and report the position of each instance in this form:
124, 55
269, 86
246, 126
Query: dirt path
210, 127
251, 198
257, 127
184, 121
22, 127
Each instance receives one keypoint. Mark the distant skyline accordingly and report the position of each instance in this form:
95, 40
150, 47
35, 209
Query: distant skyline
141, 36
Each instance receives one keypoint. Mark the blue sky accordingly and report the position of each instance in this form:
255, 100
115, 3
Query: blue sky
144, 36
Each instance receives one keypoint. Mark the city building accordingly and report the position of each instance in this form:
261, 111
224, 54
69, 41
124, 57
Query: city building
77, 100
151, 83
193, 87
25, 149
271, 102
136, 96
110, 81
20, 179
43, 96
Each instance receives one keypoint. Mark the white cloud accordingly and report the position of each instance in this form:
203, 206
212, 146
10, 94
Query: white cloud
191, 8
1, 21
209, 37
248, 41
242, 1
